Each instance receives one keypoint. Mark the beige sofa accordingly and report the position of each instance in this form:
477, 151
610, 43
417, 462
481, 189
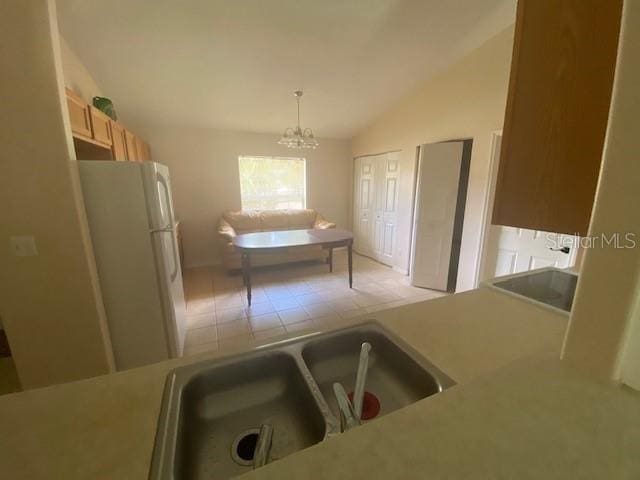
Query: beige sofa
236, 223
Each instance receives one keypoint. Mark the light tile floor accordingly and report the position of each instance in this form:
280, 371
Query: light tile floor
287, 300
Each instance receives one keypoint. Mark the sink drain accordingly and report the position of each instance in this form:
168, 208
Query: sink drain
244, 447
370, 405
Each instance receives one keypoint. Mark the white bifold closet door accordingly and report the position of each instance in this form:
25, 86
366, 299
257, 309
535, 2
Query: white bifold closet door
376, 189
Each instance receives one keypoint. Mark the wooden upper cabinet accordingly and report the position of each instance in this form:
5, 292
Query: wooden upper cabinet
119, 146
98, 137
557, 108
130, 143
143, 150
100, 126
79, 115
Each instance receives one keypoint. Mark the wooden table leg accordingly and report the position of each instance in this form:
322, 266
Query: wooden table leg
350, 256
330, 260
246, 272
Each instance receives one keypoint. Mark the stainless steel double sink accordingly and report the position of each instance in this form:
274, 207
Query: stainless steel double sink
212, 410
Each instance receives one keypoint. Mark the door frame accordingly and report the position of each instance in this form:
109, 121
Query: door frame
414, 193
490, 192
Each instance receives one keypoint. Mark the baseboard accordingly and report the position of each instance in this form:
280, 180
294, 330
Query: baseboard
401, 270
217, 263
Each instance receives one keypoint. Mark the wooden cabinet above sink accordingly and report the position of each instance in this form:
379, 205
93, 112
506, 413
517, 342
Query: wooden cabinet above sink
562, 71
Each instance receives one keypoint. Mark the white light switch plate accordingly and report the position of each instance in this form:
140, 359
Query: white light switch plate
24, 246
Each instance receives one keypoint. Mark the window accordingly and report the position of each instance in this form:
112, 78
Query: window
272, 183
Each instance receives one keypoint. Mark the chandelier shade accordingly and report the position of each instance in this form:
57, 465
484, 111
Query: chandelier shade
297, 137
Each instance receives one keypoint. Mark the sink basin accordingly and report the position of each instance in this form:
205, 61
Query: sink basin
548, 286
394, 377
213, 406
212, 410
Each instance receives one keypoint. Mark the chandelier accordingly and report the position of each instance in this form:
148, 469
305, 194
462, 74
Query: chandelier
296, 137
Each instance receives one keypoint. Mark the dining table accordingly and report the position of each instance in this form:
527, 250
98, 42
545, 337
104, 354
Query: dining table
249, 244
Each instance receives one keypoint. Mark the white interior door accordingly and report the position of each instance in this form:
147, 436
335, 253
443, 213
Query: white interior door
376, 192
364, 203
435, 210
519, 250
388, 169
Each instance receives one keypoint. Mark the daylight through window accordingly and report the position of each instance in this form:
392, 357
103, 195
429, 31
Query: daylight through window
272, 183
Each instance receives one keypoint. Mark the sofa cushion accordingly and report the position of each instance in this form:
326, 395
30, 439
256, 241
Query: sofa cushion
299, 219
271, 220
244, 222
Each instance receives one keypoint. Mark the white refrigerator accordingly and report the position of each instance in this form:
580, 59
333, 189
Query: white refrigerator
132, 224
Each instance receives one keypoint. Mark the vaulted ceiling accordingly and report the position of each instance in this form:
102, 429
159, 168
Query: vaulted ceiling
233, 64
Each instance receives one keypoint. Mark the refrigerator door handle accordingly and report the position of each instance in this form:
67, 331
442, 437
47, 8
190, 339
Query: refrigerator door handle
168, 228
174, 247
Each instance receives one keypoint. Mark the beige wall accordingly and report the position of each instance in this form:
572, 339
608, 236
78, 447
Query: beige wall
50, 303
76, 75
609, 285
204, 175
465, 101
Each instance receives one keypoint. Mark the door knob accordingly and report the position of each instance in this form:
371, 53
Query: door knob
561, 249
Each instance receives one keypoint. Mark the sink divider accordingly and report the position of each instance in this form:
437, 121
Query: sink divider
332, 423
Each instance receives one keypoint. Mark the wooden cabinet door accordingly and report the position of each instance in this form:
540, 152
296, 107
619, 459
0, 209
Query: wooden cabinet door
79, 115
140, 149
147, 152
119, 147
130, 143
144, 152
557, 108
100, 126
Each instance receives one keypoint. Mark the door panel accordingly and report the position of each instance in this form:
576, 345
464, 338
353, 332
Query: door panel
529, 249
389, 233
119, 148
539, 262
435, 211
506, 262
363, 234
78, 115
130, 144
377, 237
100, 126
390, 205
390, 168
364, 191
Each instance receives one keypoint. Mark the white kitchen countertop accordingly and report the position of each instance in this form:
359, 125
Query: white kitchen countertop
517, 411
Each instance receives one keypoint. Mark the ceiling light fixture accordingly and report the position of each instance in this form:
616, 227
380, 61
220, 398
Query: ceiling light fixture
296, 137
